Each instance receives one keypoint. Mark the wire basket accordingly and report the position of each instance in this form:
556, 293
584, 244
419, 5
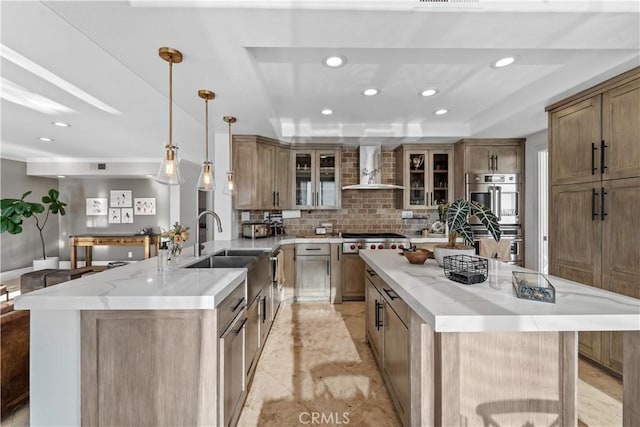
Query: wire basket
466, 269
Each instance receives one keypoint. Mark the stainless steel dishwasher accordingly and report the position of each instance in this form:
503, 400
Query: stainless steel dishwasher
232, 319
313, 271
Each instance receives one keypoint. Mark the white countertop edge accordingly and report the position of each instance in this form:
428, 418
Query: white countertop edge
511, 322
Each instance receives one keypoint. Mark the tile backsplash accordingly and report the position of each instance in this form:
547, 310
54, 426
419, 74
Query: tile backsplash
362, 210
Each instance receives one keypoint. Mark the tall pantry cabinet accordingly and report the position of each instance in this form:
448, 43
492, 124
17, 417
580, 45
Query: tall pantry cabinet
594, 176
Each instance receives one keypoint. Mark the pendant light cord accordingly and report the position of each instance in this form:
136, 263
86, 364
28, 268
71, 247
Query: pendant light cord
170, 102
230, 149
206, 127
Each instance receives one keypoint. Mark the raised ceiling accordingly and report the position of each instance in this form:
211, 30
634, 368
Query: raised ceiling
264, 62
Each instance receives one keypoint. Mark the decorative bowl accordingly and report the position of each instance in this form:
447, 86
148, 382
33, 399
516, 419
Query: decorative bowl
419, 256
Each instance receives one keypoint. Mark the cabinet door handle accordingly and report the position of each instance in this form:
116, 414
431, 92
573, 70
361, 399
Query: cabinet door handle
263, 311
388, 292
235, 307
593, 158
496, 168
273, 194
239, 328
602, 156
378, 318
491, 163
328, 269
594, 194
603, 212
277, 198
317, 198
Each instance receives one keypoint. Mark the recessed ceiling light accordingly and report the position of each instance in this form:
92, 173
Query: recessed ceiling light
62, 176
428, 92
335, 61
441, 112
61, 124
370, 91
504, 62
45, 139
327, 111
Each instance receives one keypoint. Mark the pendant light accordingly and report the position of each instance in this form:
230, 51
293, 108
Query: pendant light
230, 188
169, 172
206, 181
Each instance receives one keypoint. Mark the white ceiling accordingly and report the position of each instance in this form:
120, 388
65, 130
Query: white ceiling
263, 59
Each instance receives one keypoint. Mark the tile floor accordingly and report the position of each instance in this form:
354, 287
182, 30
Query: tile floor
316, 362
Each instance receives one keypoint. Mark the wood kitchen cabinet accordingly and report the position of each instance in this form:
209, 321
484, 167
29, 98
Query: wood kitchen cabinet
316, 182
597, 138
594, 159
353, 284
487, 156
426, 175
387, 328
262, 173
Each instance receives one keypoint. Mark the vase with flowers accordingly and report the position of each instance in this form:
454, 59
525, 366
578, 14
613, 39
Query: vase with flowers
176, 236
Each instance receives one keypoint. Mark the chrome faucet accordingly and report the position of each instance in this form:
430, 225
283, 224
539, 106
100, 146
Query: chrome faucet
215, 216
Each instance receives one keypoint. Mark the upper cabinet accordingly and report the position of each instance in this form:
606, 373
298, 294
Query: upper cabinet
597, 138
487, 156
426, 175
262, 172
316, 183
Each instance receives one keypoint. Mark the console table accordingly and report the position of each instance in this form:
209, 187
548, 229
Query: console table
88, 242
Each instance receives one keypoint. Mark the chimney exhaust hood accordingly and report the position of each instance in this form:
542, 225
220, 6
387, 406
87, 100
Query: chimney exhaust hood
371, 170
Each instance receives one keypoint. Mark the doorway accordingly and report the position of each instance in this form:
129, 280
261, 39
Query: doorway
543, 211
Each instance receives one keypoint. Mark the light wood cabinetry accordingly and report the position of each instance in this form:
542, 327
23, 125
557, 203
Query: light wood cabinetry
387, 329
262, 173
594, 180
426, 175
352, 277
487, 156
316, 178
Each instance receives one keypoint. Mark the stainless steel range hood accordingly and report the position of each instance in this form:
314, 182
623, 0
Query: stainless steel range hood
371, 170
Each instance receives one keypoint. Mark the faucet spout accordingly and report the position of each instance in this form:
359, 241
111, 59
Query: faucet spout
215, 216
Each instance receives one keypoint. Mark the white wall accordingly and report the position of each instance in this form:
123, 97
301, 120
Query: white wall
535, 143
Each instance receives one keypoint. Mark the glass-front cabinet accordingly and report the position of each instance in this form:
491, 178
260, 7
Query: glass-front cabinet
317, 179
426, 175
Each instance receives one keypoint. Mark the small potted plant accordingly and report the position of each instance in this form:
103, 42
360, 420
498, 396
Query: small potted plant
458, 224
14, 211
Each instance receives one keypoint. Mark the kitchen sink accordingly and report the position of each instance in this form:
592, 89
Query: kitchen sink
223, 262
240, 252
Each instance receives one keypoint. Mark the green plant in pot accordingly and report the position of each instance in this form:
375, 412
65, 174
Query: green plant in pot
458, 223
14, 211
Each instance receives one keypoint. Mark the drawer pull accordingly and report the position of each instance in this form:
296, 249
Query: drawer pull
389, 291
240, 301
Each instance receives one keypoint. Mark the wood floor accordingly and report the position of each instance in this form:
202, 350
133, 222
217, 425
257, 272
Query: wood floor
316, 362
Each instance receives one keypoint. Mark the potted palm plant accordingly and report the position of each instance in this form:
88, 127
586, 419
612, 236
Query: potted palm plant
458, 223
14, 211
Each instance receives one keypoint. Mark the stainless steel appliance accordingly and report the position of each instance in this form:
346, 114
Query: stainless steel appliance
353, 286
256, 230
232, 318
276, 286
511, 233
313, 271
499, 192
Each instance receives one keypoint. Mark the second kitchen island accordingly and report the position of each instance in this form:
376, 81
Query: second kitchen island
454, 354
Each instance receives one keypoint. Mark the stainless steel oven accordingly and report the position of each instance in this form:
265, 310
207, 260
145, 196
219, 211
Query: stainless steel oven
499, 192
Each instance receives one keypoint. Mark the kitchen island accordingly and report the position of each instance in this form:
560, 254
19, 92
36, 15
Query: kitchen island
480, 356
121, 317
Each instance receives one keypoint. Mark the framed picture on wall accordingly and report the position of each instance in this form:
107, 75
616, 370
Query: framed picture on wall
126, 215
96, 206
144, 206
120, 198
114, 215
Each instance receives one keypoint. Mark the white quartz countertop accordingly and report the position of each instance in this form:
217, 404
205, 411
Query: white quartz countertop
448, 306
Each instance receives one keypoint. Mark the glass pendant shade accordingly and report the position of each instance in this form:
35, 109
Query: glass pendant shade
169, 172
230, 188
206, 181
